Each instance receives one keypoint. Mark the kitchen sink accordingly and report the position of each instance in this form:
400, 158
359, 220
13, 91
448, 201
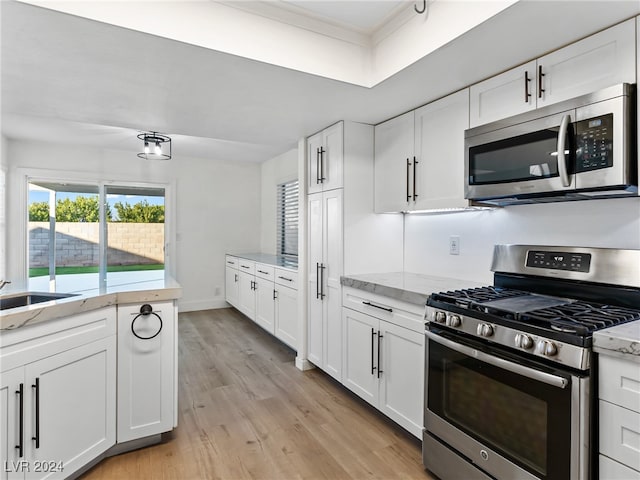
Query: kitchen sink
30, 298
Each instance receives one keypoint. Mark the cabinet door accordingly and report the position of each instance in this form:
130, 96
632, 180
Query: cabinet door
393, 163
10, 382
599, 61
286, 309
246, 294
439, 149
315, 303
76, 419
314, 144
360, 355
331, 160
231, 286
330, 273
145, 371
504, 95
402, 376
265, 304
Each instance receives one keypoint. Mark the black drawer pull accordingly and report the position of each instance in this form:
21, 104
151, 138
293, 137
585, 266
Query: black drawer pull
287, 279
260, 271
244, 266
386, 309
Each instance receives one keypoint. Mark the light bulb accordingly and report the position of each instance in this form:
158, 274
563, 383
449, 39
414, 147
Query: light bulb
146, 147
158, 149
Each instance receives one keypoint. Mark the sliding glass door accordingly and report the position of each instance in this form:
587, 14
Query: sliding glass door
84, 236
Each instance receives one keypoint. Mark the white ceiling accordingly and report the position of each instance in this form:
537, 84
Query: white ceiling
77, 81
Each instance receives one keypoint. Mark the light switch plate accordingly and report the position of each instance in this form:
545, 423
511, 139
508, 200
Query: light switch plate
454, 245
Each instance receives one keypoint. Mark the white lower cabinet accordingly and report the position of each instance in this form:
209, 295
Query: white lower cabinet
147, 370
231, 282
265, 304
286, 315
59, 410
247, 294
619, 418
384, 364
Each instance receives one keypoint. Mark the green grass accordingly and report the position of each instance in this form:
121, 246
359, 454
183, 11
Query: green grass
39, 272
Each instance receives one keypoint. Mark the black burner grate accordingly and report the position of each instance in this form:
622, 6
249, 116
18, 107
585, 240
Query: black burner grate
575, 317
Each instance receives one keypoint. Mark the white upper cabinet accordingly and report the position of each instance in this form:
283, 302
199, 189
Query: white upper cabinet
504, 95
419, 157
599, 61
324, 154
394, 163
438, 164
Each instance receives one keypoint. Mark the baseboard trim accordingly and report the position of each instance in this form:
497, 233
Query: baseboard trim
194, 306
304, 364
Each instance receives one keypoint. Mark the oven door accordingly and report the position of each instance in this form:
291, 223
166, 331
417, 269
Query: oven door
509, 416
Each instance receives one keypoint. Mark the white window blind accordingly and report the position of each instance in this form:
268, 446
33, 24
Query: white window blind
287, 228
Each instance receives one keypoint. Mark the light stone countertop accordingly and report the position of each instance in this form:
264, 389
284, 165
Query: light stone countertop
87, 300
269, 259
622, 341
408, 287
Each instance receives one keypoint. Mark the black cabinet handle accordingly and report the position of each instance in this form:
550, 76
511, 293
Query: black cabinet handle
275, 294
37, 435
317, 280
322, 294
287, 279
244, 266
380, 371
373, 336
408, 167
527, 95
266, 273
236, 277
540, 75
317, 165
20, 446
415, 164
387, 309
322, 177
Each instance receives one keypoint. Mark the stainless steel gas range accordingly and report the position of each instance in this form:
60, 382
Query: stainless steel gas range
510, 374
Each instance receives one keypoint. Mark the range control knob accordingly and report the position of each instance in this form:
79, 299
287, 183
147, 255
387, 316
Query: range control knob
454, 321
440, 317
524, 341
546, 348
484, 330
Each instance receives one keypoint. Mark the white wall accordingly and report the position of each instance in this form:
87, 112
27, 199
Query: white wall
280, 169
611, 223
3, 200
216, 204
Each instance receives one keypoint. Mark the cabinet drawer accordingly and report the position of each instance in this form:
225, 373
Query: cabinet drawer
264, 271
400, 313
286, 278
620, 434
231, 261
610, 470
619, 382
247, 266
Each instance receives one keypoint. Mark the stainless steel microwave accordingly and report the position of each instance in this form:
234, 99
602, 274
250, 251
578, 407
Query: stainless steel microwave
577, 149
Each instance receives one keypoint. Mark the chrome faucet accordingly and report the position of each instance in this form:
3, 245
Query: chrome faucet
3, 283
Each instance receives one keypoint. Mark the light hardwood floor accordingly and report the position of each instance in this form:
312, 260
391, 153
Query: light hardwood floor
246, 412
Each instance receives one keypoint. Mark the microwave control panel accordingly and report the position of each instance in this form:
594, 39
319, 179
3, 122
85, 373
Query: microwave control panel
572, 262
594, 143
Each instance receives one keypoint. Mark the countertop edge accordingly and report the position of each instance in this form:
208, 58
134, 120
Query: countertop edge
264, 258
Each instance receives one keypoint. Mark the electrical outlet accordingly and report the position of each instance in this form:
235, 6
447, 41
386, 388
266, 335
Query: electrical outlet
454, 245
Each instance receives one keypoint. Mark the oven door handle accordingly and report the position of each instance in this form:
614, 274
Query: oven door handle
531, 373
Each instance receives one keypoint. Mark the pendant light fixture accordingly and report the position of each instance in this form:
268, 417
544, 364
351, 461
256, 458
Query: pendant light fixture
156, 146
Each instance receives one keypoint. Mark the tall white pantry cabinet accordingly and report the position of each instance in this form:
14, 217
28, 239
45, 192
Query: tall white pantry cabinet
344, 235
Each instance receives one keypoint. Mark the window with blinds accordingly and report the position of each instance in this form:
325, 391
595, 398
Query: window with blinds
287, 228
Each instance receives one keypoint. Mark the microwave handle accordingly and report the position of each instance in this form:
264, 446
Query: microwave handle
562, 159
537, 375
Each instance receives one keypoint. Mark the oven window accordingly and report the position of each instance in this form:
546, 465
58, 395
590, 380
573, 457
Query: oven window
494, 410
531, 156
526, 421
